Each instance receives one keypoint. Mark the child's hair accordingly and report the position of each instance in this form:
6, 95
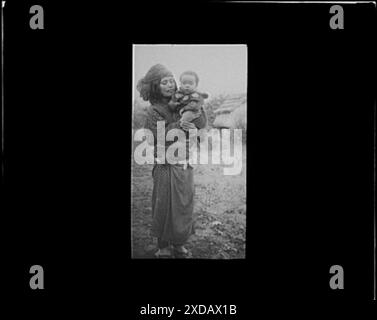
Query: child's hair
191, 73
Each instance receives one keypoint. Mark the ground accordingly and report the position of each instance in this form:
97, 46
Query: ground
220, 208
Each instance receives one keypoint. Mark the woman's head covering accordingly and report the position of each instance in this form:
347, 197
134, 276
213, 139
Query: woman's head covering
155, 74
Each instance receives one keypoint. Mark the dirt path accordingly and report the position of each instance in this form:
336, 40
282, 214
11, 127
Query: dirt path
220, 207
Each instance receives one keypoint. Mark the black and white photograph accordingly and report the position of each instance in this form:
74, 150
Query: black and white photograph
192, 204
180, 159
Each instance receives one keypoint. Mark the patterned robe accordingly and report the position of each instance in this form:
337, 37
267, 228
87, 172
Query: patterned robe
173, 186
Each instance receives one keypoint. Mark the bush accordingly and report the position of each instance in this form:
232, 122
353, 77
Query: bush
211, 106
140, 112
139, 115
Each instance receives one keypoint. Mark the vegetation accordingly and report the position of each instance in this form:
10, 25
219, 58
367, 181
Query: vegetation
140, 111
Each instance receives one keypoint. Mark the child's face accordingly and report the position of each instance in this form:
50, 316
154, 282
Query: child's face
188, 82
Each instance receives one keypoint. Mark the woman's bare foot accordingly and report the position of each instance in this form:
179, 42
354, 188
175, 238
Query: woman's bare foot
181, 252
181, 249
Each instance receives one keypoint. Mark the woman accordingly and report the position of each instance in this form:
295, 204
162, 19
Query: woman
173, 185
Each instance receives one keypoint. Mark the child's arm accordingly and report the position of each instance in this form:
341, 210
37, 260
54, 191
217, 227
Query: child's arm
201, 121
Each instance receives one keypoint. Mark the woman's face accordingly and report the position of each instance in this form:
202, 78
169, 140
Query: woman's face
167, 86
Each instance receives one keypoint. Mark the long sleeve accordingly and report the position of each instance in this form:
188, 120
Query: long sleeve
201, 122
151, 124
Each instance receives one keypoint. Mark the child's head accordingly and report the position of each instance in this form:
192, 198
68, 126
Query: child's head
189, 80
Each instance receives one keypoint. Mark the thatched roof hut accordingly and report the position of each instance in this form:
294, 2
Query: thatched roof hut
232, 112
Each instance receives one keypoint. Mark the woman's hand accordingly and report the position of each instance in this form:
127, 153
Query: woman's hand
189, 116
186, 126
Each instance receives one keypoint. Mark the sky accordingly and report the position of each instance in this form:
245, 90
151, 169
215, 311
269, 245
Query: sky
222, 69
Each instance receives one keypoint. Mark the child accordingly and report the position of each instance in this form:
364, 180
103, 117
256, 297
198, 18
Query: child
188, 99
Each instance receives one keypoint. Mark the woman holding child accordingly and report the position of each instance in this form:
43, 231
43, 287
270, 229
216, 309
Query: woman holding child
173, 184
